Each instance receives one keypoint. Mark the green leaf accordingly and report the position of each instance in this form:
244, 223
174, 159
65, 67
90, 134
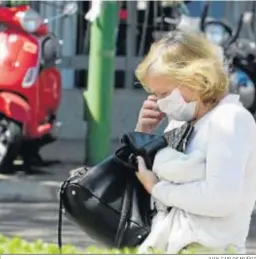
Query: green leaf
17, 245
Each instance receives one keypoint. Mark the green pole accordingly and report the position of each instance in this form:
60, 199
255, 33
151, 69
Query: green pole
98, 97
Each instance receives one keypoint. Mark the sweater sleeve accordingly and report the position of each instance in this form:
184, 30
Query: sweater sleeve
178, 167
228, 149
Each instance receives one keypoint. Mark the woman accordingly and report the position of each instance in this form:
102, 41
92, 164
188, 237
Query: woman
189, 82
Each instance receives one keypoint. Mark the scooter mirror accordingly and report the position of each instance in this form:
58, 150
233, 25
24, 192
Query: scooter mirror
70, 8
204, 15
237, 32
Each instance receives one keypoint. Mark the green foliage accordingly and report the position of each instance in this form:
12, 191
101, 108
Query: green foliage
17, 245
17, 3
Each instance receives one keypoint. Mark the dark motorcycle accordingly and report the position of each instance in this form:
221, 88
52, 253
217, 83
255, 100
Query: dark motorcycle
239, 51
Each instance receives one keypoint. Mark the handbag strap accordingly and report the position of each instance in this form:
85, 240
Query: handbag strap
61, 209
122, 162
183, 144
178, 138
127, 201
60, 215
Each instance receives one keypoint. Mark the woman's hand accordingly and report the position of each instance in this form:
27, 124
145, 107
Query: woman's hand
146, 177
150, 116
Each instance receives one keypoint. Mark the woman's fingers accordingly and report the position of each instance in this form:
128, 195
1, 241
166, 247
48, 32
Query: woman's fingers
149, 104
150, 116
141, 164
150, 121
152, 97
146, 113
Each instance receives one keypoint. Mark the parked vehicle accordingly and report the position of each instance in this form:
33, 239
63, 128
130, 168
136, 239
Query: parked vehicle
30, 83
239, 50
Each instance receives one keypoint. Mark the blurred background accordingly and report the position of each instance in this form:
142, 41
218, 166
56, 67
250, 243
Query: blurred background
28, 194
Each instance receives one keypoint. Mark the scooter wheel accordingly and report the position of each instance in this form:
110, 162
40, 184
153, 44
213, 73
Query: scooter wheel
10, 143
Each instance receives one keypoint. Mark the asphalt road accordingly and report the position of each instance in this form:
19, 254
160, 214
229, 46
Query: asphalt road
39, 221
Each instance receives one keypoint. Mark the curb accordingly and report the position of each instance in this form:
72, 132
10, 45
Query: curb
15, 189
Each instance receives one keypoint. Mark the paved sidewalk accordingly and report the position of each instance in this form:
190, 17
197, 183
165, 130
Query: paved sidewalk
34, 221
39, 221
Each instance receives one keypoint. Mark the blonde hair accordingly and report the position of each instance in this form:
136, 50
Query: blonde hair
190, 60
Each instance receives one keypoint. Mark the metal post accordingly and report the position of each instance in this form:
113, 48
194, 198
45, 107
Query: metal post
98, 98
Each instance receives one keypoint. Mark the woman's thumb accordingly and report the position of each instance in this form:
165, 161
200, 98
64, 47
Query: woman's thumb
141, 164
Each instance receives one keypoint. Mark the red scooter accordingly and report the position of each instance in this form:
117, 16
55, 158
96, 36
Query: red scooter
30, 83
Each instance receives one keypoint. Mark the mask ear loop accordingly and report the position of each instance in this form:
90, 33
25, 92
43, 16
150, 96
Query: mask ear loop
197, 111
197, 103
178, 87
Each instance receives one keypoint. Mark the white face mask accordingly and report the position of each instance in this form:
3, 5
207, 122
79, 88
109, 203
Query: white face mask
175, 107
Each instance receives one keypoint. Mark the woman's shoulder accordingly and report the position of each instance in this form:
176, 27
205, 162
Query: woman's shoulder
232, 114
234, 125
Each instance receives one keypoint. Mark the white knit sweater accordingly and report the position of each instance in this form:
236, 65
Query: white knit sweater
211, 188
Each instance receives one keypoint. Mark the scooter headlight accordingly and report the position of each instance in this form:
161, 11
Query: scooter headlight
30, 20
30, 77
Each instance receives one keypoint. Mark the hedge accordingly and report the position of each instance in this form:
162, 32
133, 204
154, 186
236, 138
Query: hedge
17, 245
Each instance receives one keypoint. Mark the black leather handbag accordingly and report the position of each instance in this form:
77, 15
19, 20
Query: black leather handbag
107, 201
